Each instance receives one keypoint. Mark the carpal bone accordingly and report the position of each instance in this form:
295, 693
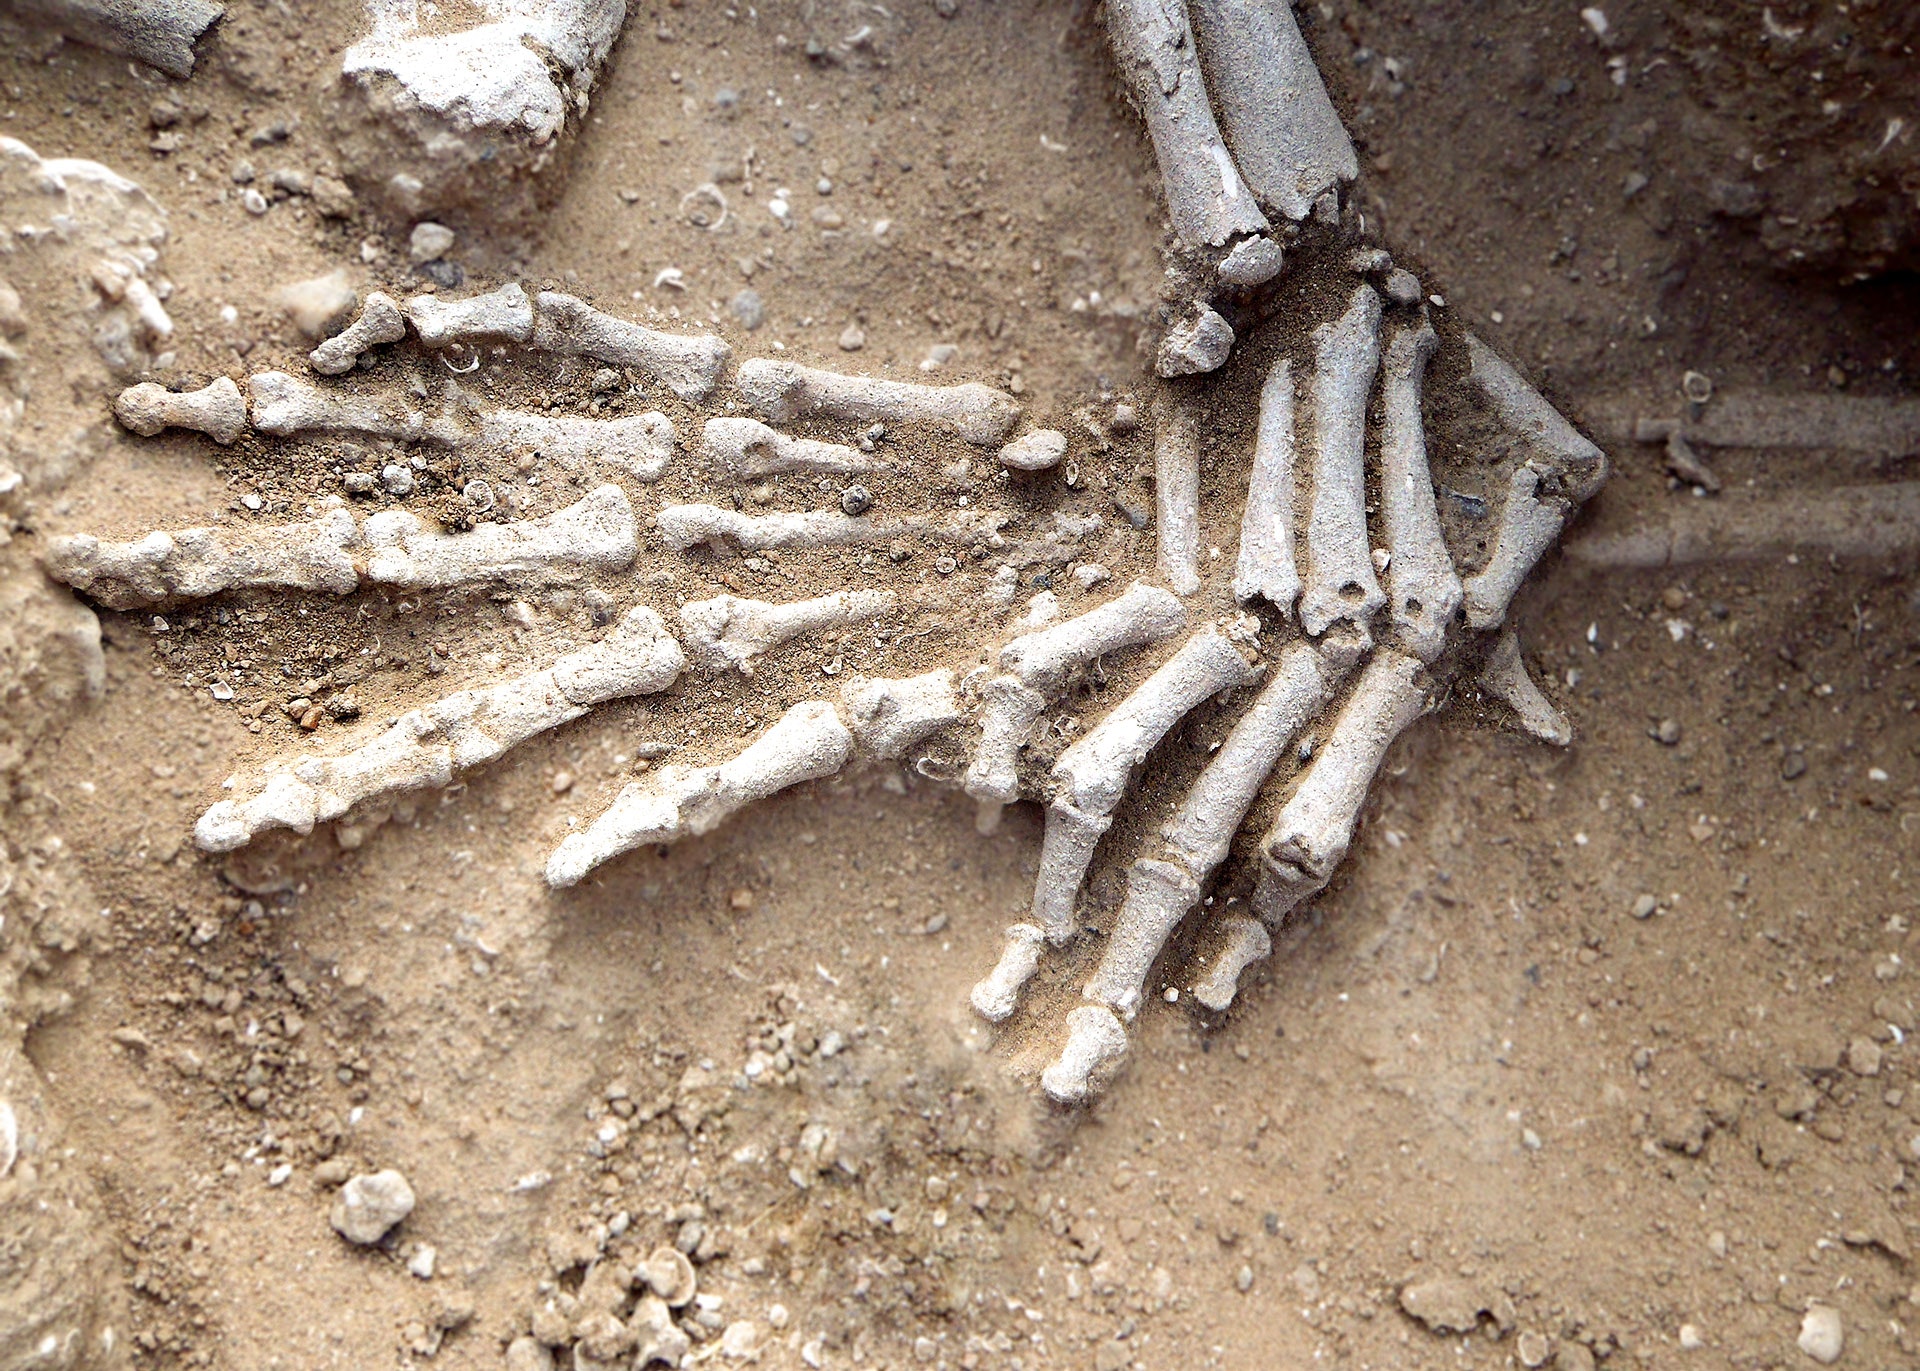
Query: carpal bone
598, 533
1008, 712
1340, 582
688, 365
196, 562
501, 316
888, 717
684, 526
1265, 568
1504, 676
807, 743
641, 445
1423, 589
284, 405
784, 391
1176, 479
1094, 1039
1247, 942
1144, 614
380, 322
1206, 199
1036, 451
216, 409
748, 448
998, 995
425, 747
731, 632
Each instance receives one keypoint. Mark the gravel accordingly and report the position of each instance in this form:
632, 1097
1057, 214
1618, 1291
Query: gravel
369, 1205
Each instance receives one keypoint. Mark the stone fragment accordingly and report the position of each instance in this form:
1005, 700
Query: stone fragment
369, 1205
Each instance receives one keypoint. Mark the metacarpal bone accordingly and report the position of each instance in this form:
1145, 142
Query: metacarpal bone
1265, 568
1043, 660
995, 997
687, 364
641, 445
730, 632
748, 448
1094, 1039
1423, 590
684, 526
1340, 582
784, 391
380, 322
597, 533
284, 405
500, 316
216, 409
1176, 483
1158, 896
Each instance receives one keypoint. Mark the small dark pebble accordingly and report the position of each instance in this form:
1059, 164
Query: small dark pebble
1135, 514
1794, 767
447, 275
1666, 732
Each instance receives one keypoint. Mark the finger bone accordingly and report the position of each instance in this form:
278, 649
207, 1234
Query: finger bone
1008, 712
1094, 1039
216, 410
501, 316
1158, 896
1504, 676
730, 632
749, 448
284, 405
784, 391
1144, 614
684, 526
380, 322
1422, 587
1247, 942
687, 364
640, 445
196, 562
598, 533
1265, 568
889, 716
995, 998
1176, 478
1340, 582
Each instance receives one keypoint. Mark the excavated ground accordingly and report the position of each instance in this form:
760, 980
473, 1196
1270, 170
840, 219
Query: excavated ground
1472, 1070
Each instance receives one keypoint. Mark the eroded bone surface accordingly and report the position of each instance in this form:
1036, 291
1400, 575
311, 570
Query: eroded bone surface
1504, 676
1144, 614
318, 555
805, 744
1176, 470
380, 322
1094, 1040
500, 316
1008, 712
1035, 451
285, 405
160, 33
687, 364
217, 409
641, 445
784, 391
684, 526
598, 533
748, 448
1195, 345
730, 632
1247, 942
888, 717
1423, 590
1265, 567
1340, 581
425, 747
996, 996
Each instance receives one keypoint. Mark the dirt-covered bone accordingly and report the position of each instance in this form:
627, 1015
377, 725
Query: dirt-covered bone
1265, 568
597, 533
285, 405
1008, 712
317, 555
748, 449
1339, 579
685, 526
1176, 479
730, 632
380, 322
1247, 942
160, 33
217, 409
1094, 1040
641, 445
1504, 676
805, 744
888, 717
499, 316
784, 391
1423, 589
687, 364
997, 995
423, 748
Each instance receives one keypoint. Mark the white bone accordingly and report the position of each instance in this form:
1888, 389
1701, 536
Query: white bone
1008, 711
784, 391
641, 445
1311, 834
1265, 568
1273, 110
284, 405
683, 526
687, 364
1340, 582
889, 716
1144, 614
805, 744
1035, 451
748, 448
995, 998
216, 410
1195, 344
730, 632
160, 33
1564, 470
1504, 676
380, 322
597, 533
1247, 943
1153, 46
424, 747
1159, 894
318, 555
501, 316
1176, 480
1094, 1038
1252, 262
1423, 590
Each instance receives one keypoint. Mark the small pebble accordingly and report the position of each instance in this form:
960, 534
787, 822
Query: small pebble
429, 242
255, 202
562, 781
1667, 732
748, 309
1822, 1334
852, 338
1645, 906
369, 1205
1402, 287
856, 500
1717, 1244
1690, 1339
420, 1264
1533, 1348
1243, 1279
397, 479
1864, 1057
1794, 767
777, 1316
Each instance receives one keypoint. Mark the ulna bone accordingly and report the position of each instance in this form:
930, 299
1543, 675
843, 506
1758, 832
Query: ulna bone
784, 391
1265, 568
1504, 676
1094, 1040
684, 526
887, 717
216, 409
730, 632
1423, 589
641, 445
500, 316
1340, 581
317, 555
1247, 942
1176, 481
380, 321
997, 995
749, 448
687, 364
596, 533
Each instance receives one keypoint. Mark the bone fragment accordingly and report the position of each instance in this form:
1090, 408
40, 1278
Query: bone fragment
597, 533
888, 717
1504, 676
160, 33
501, 316
1206, 199
195, 562
1869, 523
731, 632
1247, 942
1423, 590
687, 364
1251, 262
1176, 477
1144, 614
995, 998
1562, 471
1008, 711
1265, 568
1311, 834
1035, 451
380, 322
284, 405
805, 744
683, 526
1094, 1039
1273, 110
424, 747
1195, 345
216, 410
784, 391
1340, 582
748, 448
1682, 460
640, 445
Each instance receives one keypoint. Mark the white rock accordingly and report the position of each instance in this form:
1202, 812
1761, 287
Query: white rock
315, 305
371, 1204
1822, 1335
429, 241
421, 1263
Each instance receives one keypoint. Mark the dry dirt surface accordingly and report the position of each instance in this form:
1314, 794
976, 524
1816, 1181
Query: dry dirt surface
1593, 1056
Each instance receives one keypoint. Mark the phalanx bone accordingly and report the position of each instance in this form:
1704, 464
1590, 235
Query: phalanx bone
784, 391
730, 632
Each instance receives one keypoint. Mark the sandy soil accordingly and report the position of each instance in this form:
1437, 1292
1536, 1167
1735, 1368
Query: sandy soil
1473, 1076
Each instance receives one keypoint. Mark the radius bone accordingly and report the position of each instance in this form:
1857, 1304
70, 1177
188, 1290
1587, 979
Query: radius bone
1340, 581
1265, 568
1422, 587
216, 410
379, 322
687, 364
784, 391
749, 448
730, 632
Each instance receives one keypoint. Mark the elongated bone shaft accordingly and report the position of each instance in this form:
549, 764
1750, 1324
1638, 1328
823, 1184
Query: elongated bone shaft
748, 448
1008, 712
807, 743
161, 35
425, 747
216, 409
784, 391
1340, 582
1247, 942
1094, 1040
640, 445
195, 562
1870, 523
1504, 676
684, 526
687, 364
730, 632
1158, 896
1423, 589
1265, 569
1154, 49
890, 716
1144, 614
284, 405
1311, 834
598, 533
1176, 476
380, 322
501, 316
995, 998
